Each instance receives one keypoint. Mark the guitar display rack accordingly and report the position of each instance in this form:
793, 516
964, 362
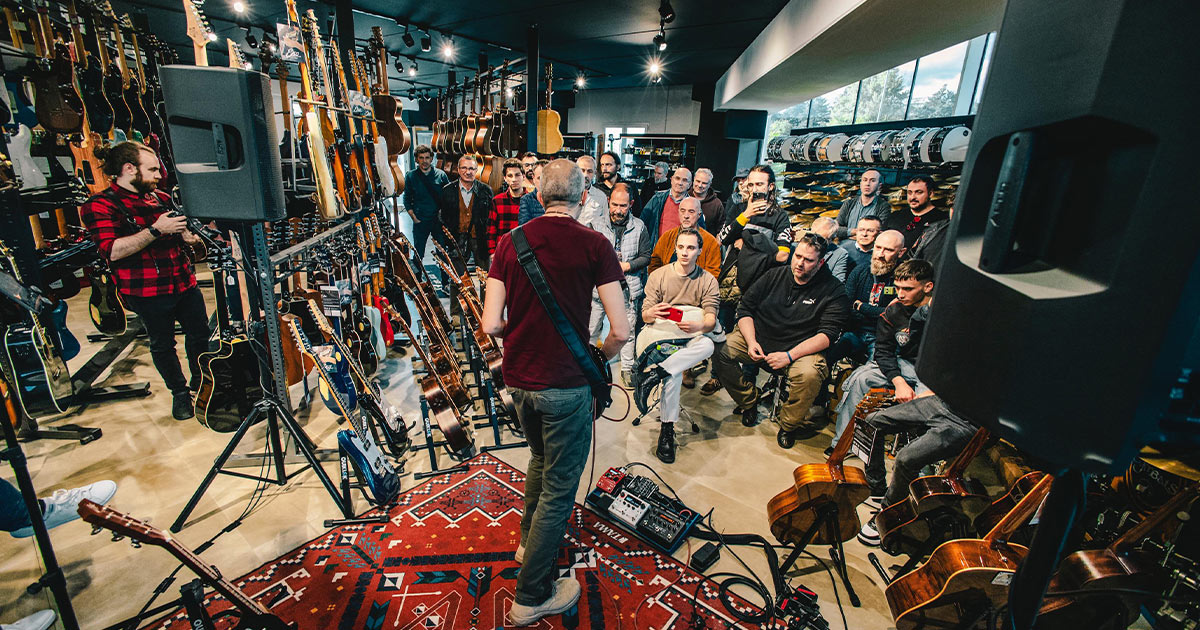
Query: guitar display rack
292, 183
432, 445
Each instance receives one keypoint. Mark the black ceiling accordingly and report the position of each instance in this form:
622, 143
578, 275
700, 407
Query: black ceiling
609, 42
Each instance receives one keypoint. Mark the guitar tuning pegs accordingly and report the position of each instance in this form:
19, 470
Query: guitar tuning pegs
96, 529
117, 537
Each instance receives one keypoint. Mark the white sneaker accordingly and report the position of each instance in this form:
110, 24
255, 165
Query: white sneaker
566, 593
868, 535
40, 620
519, 554
874, 502
62, 506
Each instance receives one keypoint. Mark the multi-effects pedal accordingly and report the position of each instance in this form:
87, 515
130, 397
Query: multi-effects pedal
641, 508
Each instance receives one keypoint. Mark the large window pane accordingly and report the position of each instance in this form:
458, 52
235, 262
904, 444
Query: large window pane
884, 96
983, 71
834, 108
936, 87
782, 122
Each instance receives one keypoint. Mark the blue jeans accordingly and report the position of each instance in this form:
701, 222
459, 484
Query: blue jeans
858, 345
421, 232
863, 379
558, 427
13, 515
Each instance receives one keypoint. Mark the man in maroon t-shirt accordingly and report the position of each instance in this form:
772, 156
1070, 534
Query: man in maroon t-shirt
553, 400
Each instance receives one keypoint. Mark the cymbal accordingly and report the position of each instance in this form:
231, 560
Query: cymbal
1165, 463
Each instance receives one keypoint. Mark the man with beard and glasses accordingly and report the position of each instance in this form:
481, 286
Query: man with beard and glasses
710, 202
868, 202
529, 160
870, 289
148, 252
911, 223
785, 322
597, 200
609, 176
899, 334
631, 242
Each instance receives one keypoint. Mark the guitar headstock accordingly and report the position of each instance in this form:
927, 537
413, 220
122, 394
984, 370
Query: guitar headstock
298, 336
237, 59
122, 524
319, 317
358, 237
198, 28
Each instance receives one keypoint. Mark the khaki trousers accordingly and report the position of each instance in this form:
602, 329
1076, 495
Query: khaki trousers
804, 376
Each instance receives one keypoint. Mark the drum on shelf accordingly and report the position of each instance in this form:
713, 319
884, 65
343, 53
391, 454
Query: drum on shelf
949, 144
900, 143
807, 150
863, 154
773, 148
830, 149
915, 142
880, 148
854, 148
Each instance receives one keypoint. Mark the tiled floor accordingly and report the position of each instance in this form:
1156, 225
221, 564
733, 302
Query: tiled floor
158, 462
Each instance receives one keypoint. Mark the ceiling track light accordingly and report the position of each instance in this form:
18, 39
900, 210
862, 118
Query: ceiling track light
399, 66
239, 7
448, 48
666, 12
660, 40
426, 42
408, 38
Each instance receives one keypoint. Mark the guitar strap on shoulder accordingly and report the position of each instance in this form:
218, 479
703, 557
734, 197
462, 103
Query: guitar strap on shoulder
601, 388
428, 187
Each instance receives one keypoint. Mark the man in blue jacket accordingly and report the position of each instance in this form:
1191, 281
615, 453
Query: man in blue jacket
422, 190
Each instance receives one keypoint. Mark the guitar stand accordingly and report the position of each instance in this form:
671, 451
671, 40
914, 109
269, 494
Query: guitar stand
192, 596
271, 410
486, 393
943, 526
349, 469
431, 446
827, 516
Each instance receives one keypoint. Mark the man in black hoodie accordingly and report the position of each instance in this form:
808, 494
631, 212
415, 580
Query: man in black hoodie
786, 320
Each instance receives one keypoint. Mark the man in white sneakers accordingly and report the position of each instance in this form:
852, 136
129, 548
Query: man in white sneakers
40, 620
57, 508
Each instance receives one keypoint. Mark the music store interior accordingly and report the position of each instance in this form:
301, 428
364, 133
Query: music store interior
640, 314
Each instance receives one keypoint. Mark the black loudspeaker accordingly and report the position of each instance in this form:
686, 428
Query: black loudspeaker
1065, 317
222, 127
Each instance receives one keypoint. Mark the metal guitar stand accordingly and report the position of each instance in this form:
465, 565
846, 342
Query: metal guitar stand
271, 408
827, 516
431, 444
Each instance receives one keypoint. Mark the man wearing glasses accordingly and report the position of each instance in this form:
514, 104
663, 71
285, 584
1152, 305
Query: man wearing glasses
912, 222
466, 206
785, 321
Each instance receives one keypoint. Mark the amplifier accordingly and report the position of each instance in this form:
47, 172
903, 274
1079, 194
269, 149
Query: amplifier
638, 505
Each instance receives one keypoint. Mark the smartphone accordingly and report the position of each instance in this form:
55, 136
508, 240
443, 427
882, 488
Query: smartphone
758, 196
674, 314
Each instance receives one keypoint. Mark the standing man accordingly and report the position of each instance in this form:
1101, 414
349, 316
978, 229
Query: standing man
422, 194
148, 252
709, 256
681, 283
658, 184
466, 205
631, 242
868, 202
596, 203
610, 176
506, 206
529, 160
710, 203
911, 223
786, 320
531, 208
662, 211
553, 399
860, 246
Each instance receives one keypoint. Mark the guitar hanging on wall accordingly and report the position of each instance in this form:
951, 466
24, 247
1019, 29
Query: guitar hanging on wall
549, 136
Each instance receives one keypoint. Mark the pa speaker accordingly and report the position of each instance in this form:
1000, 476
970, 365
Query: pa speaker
222, 127
1066, 312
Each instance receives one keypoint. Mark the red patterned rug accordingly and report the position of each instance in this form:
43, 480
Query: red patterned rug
445, 561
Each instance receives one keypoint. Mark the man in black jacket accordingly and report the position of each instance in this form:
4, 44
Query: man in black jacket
897, 340
465, 206
610, 175
786, 320
871, 289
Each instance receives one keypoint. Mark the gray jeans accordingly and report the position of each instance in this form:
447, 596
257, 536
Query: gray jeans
860, 381
942, 435
558, 426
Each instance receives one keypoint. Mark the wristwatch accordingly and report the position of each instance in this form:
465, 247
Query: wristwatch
154, 231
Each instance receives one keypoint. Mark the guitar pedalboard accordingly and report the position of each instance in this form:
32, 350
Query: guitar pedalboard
642, 509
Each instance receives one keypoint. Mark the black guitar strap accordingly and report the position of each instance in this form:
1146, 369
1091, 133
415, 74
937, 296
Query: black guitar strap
601, 388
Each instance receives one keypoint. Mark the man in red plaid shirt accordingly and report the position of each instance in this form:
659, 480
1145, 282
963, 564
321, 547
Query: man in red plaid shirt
147, 251
506, 205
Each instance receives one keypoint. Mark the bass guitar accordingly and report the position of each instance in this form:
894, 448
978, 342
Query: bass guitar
98, 112
38, 374
793, 511
904, 527
252, 615
963, 577
358, 443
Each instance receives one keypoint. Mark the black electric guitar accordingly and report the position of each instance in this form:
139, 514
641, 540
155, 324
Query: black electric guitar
359, 444
230, 376
90, 75
39, 375
104, 305
253, 616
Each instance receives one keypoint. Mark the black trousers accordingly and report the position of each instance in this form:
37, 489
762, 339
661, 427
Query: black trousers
158, 315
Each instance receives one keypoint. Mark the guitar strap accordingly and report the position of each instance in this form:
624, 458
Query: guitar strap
601, 388
428, 187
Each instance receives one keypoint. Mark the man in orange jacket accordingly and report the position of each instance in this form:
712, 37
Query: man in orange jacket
710, 248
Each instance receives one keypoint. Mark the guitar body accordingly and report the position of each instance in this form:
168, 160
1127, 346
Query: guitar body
383, 167
376, 330
114, 91
337, 382
67, 343
19, 104
326, 196
27, 170
996, 511
104, 305
1096, 569
449, 421
391, 124
792, 511
229, 385
371, 464
91, 86
904, 527
549, 138
138, 118
88, 167
959, 574
382, 306
42, 382
58, 106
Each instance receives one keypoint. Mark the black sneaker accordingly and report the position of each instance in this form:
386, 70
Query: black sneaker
750, 415
648, 382
787, 439
666, 443
181, 406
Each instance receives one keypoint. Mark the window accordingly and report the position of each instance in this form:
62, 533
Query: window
635, 131
782, 122
885, 95
935, 89
983, 70
834, 108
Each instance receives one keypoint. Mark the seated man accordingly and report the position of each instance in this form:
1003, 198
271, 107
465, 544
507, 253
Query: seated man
681, 283
870, 289
940, 435
709, 258
898, 338
786, 320
837, 259
861, 245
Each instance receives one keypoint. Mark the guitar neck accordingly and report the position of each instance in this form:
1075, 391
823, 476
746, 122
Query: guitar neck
957, 467
1020, 513
214, 578
1151, 524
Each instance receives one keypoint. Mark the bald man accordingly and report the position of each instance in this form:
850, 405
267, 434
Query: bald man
660, 214
871, 289
837, 259
595, 204
690, 215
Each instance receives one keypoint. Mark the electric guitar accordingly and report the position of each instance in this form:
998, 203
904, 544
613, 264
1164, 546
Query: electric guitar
57, 104
373, 315
104, 305
99, 113
253, 615
380, 476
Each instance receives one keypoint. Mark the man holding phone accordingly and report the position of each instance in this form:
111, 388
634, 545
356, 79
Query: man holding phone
680, 284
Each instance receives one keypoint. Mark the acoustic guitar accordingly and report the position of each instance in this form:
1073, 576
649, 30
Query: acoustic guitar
794, 510
1004, 504
456, 429
230, 377
904, 527
963, 577
104, 304
388, 111
549, 136
252, 615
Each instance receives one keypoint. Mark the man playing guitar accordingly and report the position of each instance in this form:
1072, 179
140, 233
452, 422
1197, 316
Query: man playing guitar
146, 248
